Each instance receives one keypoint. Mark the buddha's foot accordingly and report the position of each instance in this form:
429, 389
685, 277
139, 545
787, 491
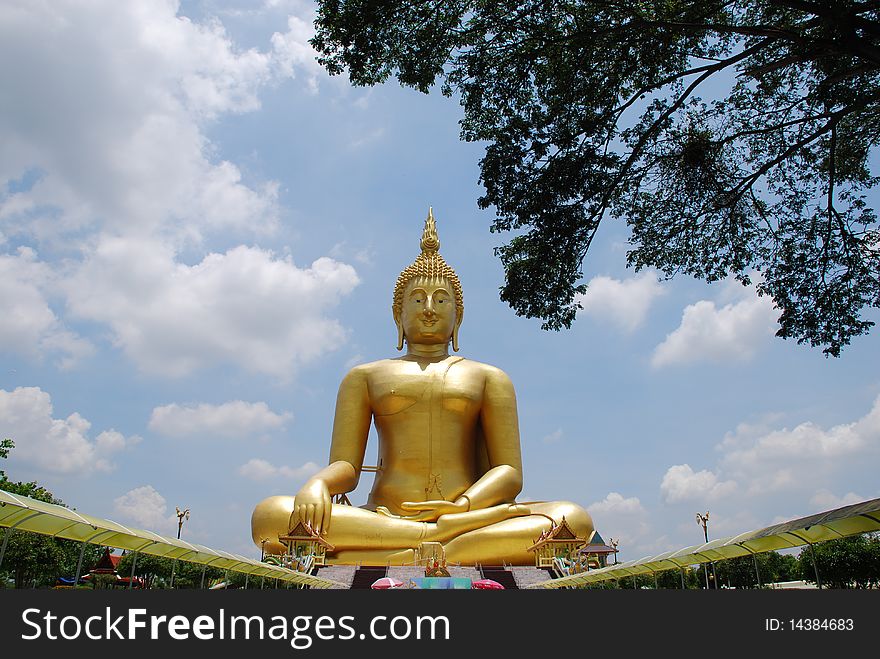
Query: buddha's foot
450, 526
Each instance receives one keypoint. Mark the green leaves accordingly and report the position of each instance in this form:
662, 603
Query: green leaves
592, 111
852, 562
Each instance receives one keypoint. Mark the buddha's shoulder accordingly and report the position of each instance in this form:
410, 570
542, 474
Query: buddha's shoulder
490, 374
384, 366
485, 369
368, 369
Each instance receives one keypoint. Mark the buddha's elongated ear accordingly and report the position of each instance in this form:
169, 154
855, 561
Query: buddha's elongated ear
399, 331
455, 329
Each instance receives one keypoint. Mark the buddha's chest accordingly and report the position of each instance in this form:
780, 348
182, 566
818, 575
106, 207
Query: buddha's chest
408, 389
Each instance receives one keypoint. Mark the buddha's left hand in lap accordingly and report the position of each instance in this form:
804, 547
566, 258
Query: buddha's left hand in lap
427, 511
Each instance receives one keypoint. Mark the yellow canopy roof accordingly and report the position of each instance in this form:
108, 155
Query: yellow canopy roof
28, 514
838, 523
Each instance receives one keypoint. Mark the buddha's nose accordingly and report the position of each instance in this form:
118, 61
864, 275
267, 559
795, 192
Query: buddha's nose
429, 307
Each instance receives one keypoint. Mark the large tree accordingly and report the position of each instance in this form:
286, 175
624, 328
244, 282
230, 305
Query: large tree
594, 109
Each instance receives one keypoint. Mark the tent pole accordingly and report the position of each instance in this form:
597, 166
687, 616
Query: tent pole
815, 566
79, 564
5, 540
134, 558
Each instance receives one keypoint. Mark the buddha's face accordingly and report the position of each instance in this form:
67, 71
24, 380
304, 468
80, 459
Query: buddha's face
428, 314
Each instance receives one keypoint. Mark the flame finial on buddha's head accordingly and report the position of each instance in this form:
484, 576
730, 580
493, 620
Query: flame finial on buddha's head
430, 266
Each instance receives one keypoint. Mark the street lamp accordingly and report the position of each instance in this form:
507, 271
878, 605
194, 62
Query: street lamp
181, 515
263, 548
614, 543
703, 520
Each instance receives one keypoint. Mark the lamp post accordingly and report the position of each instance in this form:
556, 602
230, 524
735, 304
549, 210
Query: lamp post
181, 515
613, 543
703, 520
263, 548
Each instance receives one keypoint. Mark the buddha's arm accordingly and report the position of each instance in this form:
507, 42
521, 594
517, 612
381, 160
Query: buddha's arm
351, 427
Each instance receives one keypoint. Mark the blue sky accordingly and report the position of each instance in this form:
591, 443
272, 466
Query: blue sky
200, 233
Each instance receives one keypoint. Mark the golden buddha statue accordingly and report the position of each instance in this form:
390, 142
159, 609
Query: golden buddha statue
449, 464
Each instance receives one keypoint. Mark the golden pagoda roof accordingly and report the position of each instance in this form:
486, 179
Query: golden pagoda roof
559, 533
304, 533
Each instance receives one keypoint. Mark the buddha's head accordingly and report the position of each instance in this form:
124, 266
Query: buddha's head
428, 306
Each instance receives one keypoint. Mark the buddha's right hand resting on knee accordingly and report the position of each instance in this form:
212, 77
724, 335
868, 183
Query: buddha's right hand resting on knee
313, 503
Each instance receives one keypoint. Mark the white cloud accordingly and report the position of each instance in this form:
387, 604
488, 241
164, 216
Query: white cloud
292, 51
786, 458
55, 445
111, 441
553, 437
232, 419
826, 500
146, 507
110, 103
621, 518
245, 306
367, 138
624, 303
616, 504
343, 251
788, 467
732, 332
30, 326
262, 470
105, 155
681, 483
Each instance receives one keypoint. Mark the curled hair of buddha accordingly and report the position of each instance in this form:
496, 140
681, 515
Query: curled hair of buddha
429, 265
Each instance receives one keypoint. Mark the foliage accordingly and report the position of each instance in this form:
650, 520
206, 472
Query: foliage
155, 571
33, 560
667, 579
590, 109
732, 573
103, 581
772, 567
6, 445
852, 562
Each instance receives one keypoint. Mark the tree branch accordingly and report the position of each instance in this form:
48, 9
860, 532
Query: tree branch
644, 137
